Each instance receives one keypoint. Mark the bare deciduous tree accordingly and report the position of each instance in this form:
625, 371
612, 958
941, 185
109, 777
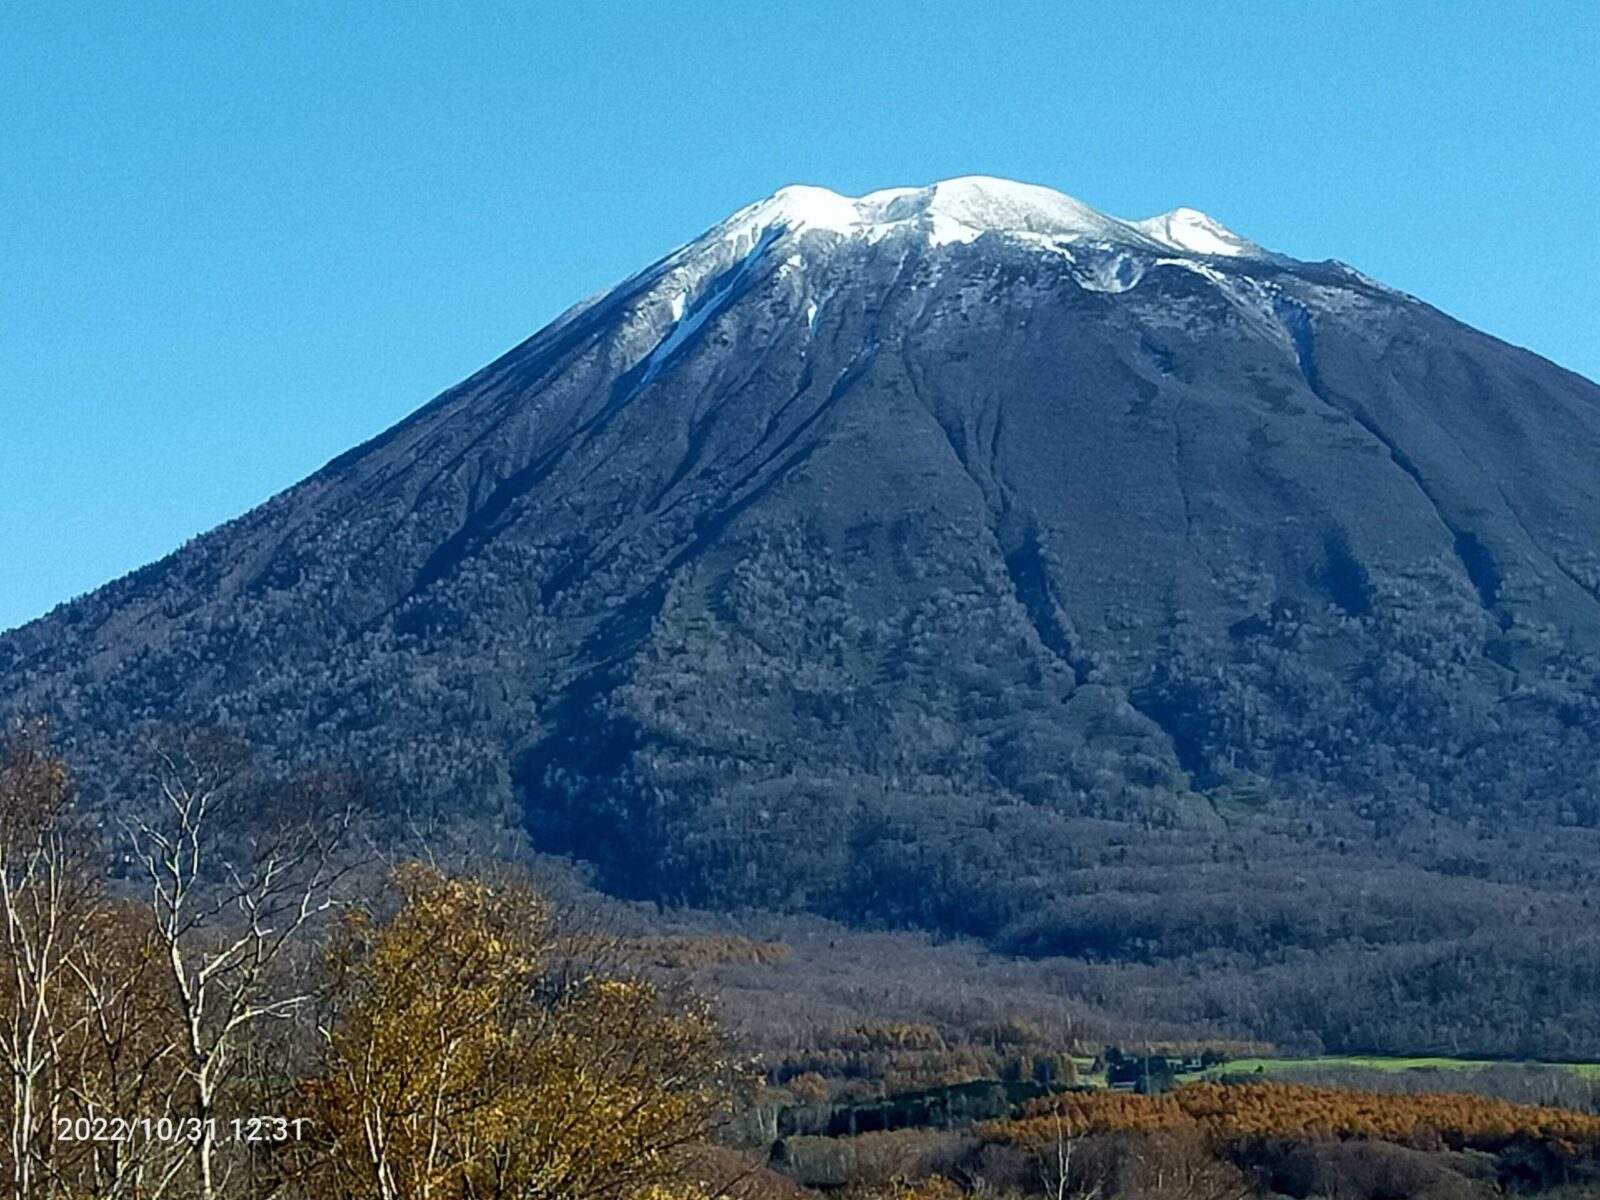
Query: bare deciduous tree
228, 907
1064, 1172
45, 906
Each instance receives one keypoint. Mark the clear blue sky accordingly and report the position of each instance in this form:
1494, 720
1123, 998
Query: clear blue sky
237, 238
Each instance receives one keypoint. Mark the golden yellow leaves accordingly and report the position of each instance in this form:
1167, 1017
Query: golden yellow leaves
462, 1060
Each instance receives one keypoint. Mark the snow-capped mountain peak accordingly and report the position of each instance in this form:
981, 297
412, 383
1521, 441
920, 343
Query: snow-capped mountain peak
964, 208
1188, 229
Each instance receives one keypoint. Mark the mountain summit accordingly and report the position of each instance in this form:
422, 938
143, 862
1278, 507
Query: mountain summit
900, 557
959, 210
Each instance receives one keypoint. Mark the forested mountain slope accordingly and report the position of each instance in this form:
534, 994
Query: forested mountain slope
955, 556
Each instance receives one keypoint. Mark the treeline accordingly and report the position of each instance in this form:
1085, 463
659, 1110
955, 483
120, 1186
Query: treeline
1222, 1142
1271, 1138
873, 1059
1242, 934
1245, 1112
237, 1019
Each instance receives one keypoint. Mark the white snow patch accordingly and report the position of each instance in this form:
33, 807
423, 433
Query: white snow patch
956, 211
686, 325
1199, 268
1191, 230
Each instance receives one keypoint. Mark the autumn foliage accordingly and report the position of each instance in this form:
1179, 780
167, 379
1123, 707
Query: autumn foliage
465, 1060
439, 1042
1235, 1113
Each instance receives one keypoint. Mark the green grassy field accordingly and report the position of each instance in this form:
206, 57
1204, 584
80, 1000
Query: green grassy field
1289, 1066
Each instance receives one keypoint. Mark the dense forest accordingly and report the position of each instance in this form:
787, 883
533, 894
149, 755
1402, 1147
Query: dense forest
883, 781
